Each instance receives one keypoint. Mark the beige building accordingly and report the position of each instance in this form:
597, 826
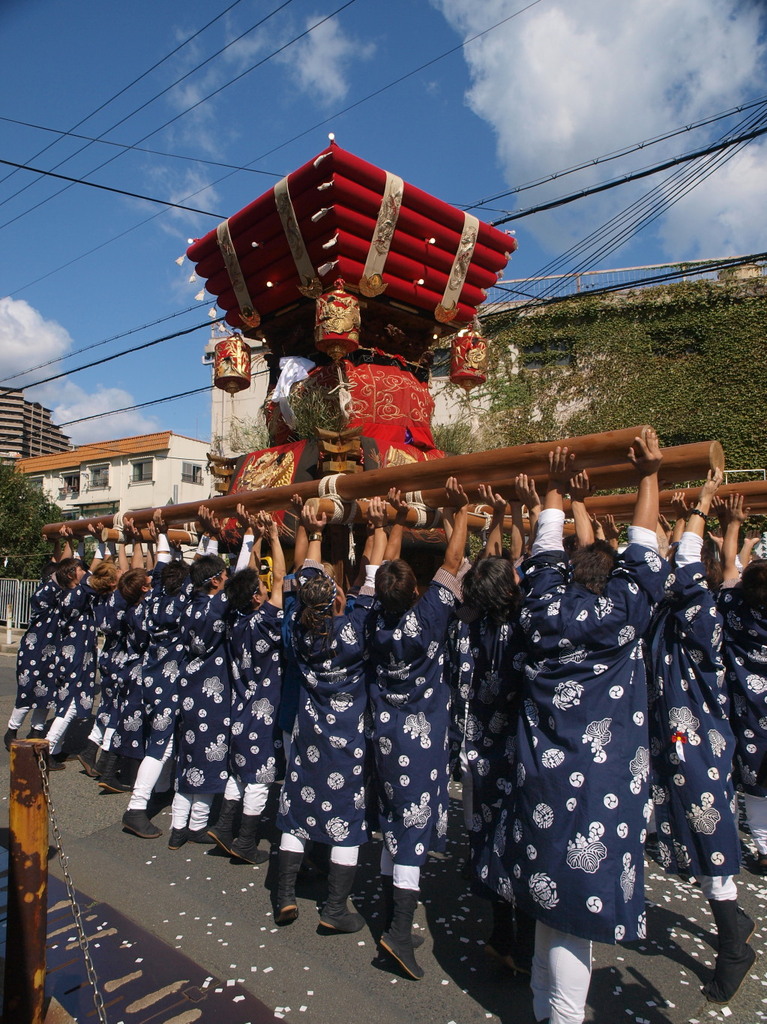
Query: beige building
129, 473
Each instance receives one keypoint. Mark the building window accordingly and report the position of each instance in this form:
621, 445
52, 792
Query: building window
440, 367
191, 473
36, 483
71, 485
141, 472
99, 476
556, 351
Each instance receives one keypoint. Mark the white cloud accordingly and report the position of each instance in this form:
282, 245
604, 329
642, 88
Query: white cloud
319, 61
27, 339
68, 401
566, 82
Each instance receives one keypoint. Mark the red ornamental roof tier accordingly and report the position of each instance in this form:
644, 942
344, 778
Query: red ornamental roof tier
340, 216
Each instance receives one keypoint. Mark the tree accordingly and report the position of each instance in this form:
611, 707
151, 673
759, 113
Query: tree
24, 510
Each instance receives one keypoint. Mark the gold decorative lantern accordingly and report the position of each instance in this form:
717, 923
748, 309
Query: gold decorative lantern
468, 358
337, 322
231, 369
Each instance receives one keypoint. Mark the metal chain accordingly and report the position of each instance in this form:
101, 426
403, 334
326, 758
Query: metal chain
82, 939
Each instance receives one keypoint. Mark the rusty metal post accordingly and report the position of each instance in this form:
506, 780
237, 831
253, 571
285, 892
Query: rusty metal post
27, 887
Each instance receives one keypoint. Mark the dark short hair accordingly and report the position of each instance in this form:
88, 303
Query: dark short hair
593, 564
754, 583
205, 569
65, 571
132, 584
395, 587
240, 589
173, 576
490, 587
709, 555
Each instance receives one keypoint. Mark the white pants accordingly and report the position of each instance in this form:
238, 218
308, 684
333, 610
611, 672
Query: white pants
756, 813
561, 976
253, 794
59, 726
19, 714
718, 887
193, 812
346, 855
404, 876
101, 737
147, 777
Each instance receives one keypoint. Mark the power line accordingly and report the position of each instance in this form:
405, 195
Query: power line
138, 149
104, 188
115, 355
282, 145
634, 176
98, 344
135, 81
618, 154
205, 99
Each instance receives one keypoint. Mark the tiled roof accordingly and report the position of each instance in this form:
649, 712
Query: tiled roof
99, 450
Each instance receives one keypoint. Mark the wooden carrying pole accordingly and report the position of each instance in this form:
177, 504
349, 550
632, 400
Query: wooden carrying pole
27, 887
622, 505
175, 537
608, 448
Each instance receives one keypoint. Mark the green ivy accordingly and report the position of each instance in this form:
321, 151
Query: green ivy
688, 358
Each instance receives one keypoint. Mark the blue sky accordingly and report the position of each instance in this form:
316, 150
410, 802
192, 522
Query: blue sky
556, 82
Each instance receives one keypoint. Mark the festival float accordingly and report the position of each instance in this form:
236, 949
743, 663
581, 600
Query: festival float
350, 277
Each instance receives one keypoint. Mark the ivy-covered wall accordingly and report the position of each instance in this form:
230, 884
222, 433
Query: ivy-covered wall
688, 358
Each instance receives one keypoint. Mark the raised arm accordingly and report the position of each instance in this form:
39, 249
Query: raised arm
375, 542
733, 513
611, 531
134, 535
580, 489
680, 510
302, 537
278, 561
529, 497
692, 539
494, 542
394, 542
646, 455
456, 499
314, 526
550, 527
750, 541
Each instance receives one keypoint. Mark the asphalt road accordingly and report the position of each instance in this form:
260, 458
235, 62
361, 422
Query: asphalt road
219, 914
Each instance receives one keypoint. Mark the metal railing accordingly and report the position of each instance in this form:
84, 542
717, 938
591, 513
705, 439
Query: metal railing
15, 598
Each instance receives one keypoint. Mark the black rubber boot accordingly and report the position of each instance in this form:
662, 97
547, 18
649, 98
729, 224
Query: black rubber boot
289, 863
245, 846
735, 957
103, 762
57, 762
388, 898
500, 944
120, 774
336, 914
199, 835
10, 734
177, 838
87, 759
222, 832
398, 940
524, 937
138, 823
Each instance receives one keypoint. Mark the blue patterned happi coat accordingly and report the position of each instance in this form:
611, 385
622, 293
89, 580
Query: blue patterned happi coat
691, 740
254, 642
163, 659
75, 666
128, 738
487, 672
410, 700
323, 797
38, 649
745, 659
578, 827
205, 695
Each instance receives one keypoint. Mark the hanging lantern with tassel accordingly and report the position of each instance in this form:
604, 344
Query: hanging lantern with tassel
231, 369
337, 322
468, 358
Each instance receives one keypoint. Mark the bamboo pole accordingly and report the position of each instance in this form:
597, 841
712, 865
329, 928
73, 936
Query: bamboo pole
608, 448
27, 887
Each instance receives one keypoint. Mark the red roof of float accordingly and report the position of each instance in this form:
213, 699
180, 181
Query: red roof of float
340, 216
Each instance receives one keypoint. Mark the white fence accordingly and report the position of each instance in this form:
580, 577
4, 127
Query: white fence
15, 596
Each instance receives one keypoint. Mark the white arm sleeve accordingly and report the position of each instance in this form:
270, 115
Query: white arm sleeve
243, 558
549, 535
644, 537
370, 575
163, 548
689, 549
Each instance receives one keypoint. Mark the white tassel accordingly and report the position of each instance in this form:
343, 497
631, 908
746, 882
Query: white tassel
200, 295
192, 278
212, 312
180, 260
